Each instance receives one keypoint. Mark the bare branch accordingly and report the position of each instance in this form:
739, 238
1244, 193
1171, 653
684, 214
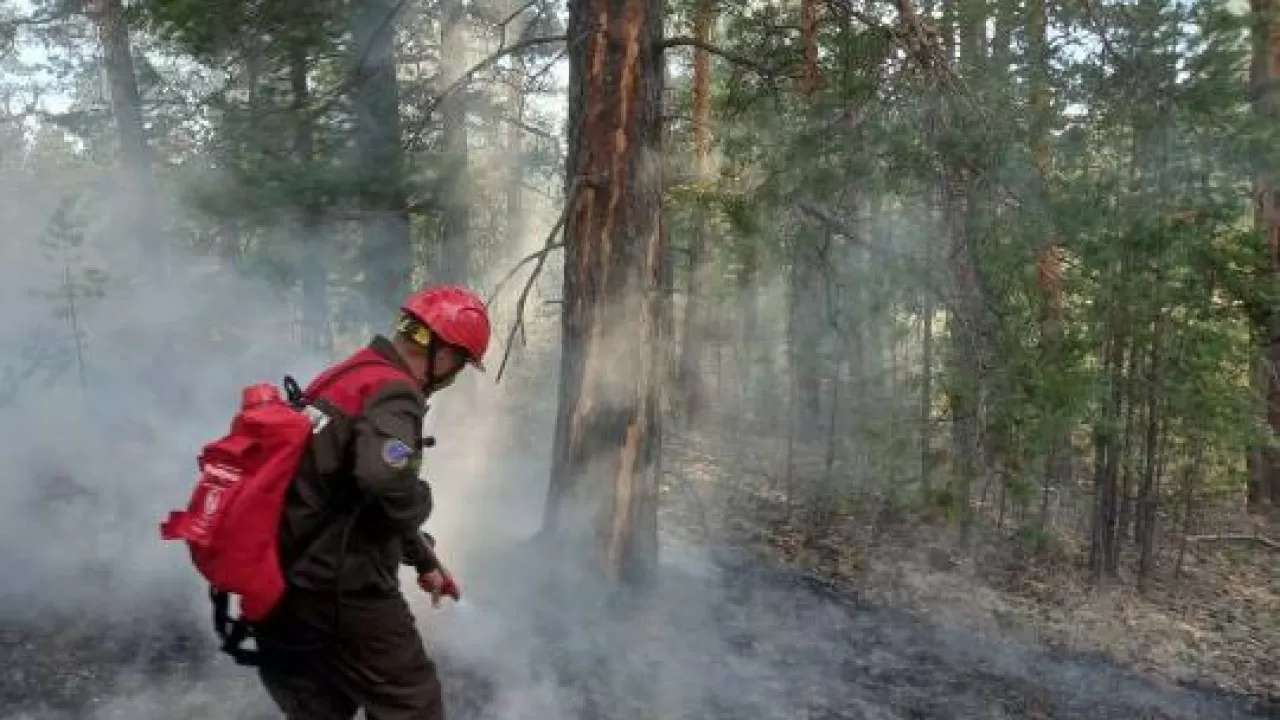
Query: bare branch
537, 74
484, 64
529, 128
536, 255
539, 258
502, 26
732, 57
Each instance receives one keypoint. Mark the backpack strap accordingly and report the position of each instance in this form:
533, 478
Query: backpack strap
233, 632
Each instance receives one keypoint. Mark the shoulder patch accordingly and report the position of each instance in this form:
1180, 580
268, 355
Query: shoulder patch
396, 454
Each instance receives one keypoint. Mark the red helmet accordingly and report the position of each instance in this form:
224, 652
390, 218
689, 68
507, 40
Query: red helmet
455, 314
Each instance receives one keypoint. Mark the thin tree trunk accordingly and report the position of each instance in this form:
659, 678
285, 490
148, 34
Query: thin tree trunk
312, 268
748, 299
691, 345
671, 353
136, 201
809, 75
1148, 494
965, 363
803, 340
960, 207
386, 254
1049, 262
1256, 495
1107, 451
455, 242
1127, 459
515, 226
1191, 480
926, 392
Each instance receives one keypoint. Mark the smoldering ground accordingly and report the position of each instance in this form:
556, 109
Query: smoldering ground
98, 619
102, 621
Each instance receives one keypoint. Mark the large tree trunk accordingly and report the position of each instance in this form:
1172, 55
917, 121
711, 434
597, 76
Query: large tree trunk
1266, 79
603, 483
138, 187
387, 251
454, 266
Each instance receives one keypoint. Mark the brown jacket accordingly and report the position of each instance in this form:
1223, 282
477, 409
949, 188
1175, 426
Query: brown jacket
354, 511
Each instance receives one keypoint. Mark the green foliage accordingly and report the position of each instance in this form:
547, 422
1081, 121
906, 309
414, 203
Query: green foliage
1153, 144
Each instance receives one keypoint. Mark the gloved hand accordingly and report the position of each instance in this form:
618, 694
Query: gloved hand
439, 583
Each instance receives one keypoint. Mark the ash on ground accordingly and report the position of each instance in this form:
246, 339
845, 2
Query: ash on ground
746, 642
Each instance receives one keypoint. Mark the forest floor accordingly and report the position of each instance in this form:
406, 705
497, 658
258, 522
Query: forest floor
898, 625
1216, 626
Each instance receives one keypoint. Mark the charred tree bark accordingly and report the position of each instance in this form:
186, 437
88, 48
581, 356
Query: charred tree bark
691, 344
138, 186
1266, 80
454, 264
386, 255
603, 482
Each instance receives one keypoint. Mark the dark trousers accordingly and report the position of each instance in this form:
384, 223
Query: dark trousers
325, 665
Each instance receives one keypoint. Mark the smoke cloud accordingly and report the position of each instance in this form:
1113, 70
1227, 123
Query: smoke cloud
111, 379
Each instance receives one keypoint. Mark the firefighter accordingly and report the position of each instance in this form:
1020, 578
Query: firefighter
344, 639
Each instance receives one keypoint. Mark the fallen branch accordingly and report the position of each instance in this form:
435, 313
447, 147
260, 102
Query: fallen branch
539, 258
1261, 539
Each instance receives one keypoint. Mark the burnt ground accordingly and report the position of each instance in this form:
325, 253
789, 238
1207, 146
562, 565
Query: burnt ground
753, 641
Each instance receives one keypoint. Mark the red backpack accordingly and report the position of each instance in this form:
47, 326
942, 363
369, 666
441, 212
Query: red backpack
231, 524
